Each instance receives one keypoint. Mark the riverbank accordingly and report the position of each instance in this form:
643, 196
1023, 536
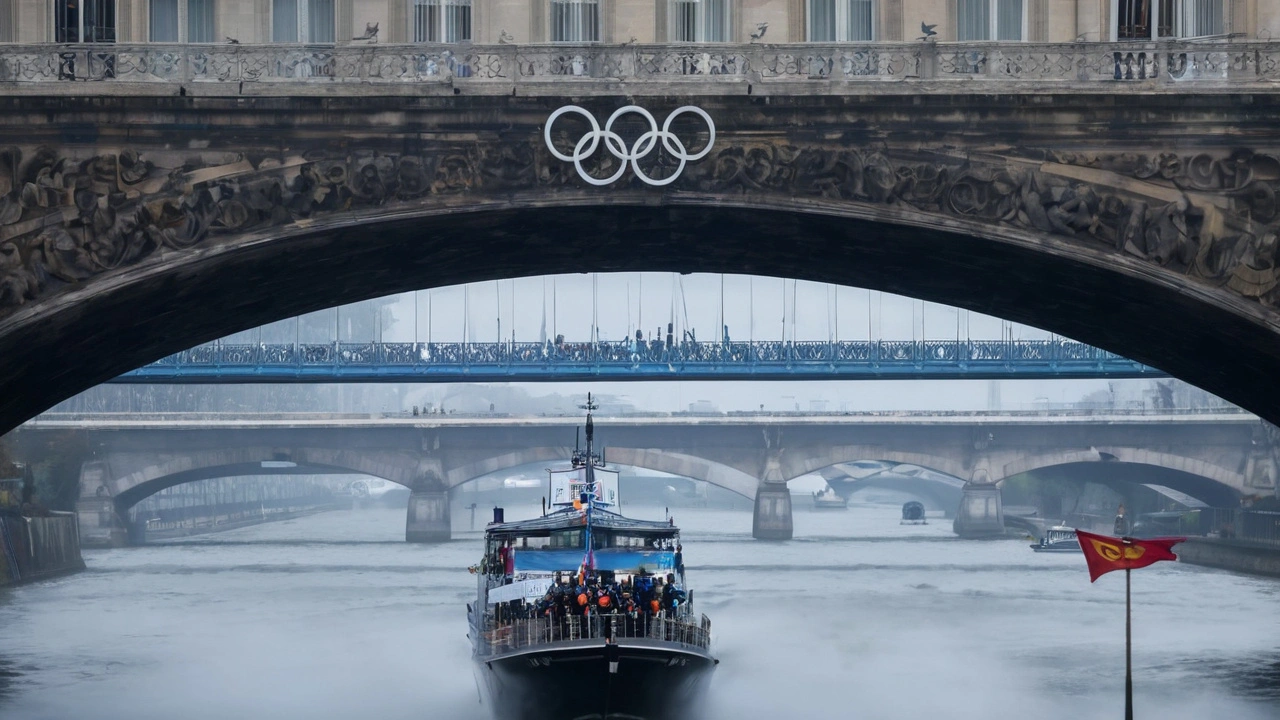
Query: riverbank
1236, 555
36, 548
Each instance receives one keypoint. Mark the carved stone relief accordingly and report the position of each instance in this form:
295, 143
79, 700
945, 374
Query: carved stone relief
66, 219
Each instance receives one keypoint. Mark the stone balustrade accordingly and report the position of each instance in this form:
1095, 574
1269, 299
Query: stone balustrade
987, 67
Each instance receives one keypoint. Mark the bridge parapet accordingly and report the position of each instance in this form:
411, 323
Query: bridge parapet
971, 67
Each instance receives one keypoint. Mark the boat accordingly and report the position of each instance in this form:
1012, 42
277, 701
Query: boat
583, 613
827, 499
913, 513
1058, 538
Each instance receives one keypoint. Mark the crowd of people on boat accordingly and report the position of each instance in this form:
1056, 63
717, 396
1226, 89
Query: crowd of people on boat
638, 598
635, 598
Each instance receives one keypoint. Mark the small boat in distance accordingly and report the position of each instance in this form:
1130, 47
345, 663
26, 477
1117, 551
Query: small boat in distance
913, 513
827, 499
1058, 538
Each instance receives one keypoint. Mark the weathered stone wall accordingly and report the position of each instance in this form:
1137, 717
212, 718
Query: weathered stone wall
32, 548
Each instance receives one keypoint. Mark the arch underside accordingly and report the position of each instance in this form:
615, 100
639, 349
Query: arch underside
1165, 471
936, 496
681, 464
1116, 467
137, 480
1154, 240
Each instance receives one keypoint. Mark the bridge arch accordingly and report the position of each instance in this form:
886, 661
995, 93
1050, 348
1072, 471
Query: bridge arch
797, 464
660, 460
132, 482
1169, 266
937, 495
1205, 481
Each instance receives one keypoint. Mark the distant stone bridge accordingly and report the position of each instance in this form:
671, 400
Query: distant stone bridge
1215, 457
155, 197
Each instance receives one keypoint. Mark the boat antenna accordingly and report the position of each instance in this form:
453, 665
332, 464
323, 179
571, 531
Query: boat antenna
588, 562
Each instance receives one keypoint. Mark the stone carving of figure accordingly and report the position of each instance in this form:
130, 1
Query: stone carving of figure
1168, 238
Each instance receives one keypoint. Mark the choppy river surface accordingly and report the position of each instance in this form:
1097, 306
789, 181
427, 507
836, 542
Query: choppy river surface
333, 616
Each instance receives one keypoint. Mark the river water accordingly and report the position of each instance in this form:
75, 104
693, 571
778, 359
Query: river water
333, 616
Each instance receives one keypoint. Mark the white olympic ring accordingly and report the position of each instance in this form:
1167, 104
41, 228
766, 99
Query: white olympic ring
617, 147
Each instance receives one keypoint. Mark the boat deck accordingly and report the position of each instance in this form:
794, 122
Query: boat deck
513, 635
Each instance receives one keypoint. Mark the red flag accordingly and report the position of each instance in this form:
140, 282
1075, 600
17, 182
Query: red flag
1104, 553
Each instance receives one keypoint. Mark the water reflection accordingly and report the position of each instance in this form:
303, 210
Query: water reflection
9, 676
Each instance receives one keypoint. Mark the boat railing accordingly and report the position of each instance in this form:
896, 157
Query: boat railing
508, 635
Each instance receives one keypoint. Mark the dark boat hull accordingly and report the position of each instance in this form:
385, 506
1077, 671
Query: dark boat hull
572, 681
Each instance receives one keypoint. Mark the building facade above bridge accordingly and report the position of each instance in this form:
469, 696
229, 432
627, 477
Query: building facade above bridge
541, 21
1168, 66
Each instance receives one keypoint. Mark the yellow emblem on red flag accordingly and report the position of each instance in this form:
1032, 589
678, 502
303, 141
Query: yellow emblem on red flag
1104, 554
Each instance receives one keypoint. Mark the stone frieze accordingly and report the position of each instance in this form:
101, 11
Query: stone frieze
66, 220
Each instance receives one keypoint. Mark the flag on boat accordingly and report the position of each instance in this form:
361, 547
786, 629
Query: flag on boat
1104, 553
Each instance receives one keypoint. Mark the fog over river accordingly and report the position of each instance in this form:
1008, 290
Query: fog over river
333, 616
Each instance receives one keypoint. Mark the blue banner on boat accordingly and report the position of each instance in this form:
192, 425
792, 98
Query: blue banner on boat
627, 561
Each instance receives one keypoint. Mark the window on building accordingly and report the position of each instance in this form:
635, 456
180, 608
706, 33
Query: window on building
575, 21
8, 26
444, 21
164, 21
841, 20
698, 21
1202, 17
989, 19
308, 21
1155, 19
200, 21
84, 21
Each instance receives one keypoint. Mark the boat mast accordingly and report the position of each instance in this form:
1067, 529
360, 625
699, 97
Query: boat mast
589, 558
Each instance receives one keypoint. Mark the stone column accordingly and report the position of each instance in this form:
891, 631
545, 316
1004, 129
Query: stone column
428, 518
981, 513
100, 523
772, 519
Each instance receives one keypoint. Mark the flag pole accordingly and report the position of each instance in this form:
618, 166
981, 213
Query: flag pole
1128, 651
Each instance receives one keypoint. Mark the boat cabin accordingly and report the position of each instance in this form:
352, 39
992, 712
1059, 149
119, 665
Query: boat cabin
555, 545
1059, 534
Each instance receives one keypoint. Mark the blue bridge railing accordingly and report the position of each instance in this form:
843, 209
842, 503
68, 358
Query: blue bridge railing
454, 362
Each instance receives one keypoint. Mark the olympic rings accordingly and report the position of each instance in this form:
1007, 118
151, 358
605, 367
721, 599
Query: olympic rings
616, 146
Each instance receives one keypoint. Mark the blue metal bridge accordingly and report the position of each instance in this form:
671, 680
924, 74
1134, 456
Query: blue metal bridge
549, 362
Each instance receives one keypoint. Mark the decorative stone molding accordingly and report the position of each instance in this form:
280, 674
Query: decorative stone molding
66, 218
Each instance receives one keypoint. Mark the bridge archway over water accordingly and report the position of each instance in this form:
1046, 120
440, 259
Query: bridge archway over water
1154, 240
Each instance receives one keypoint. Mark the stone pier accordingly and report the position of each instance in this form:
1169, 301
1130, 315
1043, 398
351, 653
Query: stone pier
428, 518
101, 525
772, 520
981, 513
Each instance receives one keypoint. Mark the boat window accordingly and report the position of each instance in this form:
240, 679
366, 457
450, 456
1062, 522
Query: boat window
566, 538
628, 541
534, 543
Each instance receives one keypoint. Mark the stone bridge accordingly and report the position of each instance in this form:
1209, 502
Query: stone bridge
154, 197
1215, 457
